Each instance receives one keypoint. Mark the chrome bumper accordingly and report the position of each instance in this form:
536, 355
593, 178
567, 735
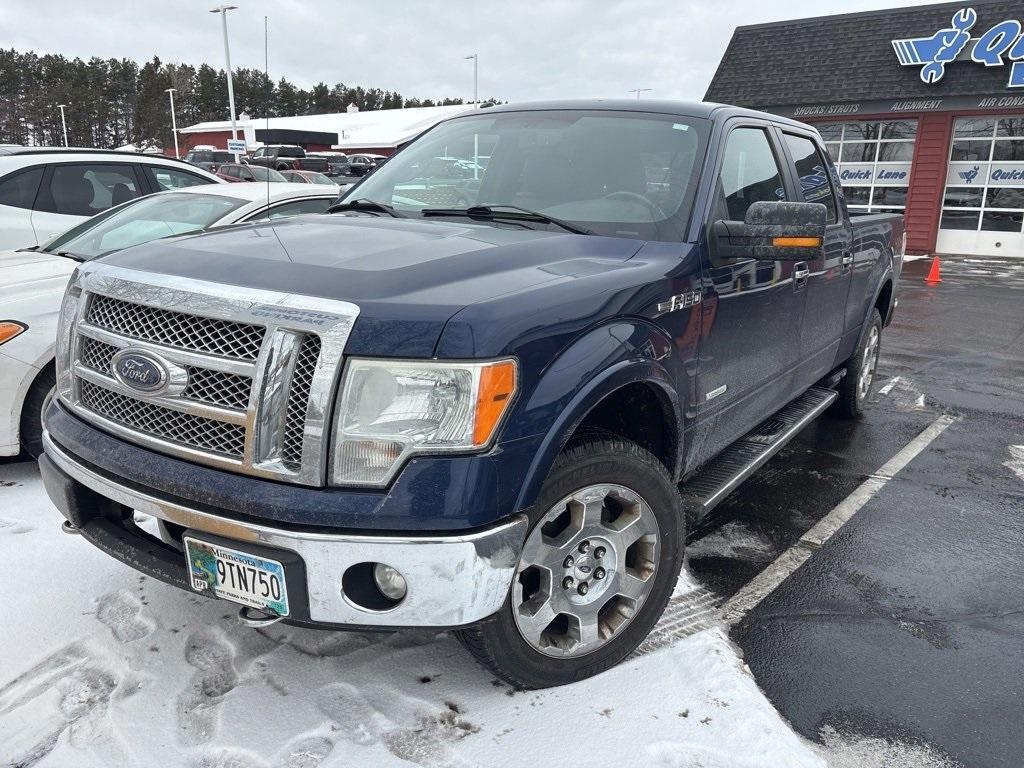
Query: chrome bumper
452, 580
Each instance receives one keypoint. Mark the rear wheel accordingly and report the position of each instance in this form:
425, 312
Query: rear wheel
31, 428
860, 372
595, 572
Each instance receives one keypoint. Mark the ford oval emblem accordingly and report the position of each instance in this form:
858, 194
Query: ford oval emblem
139, 370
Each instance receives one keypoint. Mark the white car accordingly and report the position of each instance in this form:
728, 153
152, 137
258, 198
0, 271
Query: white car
46, 191
32, 280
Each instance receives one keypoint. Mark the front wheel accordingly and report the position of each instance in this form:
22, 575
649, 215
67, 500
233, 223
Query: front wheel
595, 572
860, 371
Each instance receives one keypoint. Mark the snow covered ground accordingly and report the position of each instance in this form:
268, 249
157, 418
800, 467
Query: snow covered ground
100, 666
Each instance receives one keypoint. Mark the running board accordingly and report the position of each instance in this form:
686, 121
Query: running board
725, 472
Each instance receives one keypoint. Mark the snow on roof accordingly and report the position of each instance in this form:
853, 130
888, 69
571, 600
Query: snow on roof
376, 128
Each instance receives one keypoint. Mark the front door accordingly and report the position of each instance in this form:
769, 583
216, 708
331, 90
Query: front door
752, 309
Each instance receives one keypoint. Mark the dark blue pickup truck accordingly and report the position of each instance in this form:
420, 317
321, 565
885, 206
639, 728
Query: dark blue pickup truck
500, 418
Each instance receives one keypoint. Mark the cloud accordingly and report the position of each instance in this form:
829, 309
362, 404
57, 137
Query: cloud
528, 50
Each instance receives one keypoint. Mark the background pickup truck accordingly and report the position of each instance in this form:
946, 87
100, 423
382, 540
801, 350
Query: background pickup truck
288, 158
501, 418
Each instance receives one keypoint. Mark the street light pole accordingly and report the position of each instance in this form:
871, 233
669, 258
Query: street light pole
174, 123
63, 122
476, 81
638, 91
223, 11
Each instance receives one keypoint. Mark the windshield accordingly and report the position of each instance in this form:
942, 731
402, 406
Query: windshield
318, 178
624, 174
143, 220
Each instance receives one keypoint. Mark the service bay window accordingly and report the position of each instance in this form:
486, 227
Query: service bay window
983, 205
873, 162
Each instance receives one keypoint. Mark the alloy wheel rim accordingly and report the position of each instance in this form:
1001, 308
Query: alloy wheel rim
586, 568
868, 364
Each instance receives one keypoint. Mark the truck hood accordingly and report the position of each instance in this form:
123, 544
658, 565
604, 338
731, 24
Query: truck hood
408, 277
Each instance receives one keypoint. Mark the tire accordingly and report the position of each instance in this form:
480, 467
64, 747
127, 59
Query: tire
31, 428
855, 386
637, 489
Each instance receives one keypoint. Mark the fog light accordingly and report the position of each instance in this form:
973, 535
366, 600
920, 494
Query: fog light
389, 581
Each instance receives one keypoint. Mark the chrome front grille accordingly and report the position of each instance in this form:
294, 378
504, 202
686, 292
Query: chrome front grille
256, 368
298, 399
177, 329
183, 429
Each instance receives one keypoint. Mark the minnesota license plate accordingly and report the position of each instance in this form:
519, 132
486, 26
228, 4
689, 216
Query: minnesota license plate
237, 576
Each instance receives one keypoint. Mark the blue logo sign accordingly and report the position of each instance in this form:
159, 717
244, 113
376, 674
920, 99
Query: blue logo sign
139, 371
969, 176
935, 52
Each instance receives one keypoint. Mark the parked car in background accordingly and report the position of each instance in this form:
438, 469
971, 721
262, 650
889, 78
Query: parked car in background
337, 162
476, 417
46, 191
235, 172
307, 177
32, 281
356, 166
209, 159
282, 157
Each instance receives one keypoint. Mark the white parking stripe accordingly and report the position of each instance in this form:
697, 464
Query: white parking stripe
771, 577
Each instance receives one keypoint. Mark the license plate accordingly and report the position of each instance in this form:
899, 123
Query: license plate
237, 576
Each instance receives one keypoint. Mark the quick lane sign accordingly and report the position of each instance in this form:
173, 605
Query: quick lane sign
999, 44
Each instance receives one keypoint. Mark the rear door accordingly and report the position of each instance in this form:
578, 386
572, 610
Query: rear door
18, 191
828, 281
72, 192
752, 312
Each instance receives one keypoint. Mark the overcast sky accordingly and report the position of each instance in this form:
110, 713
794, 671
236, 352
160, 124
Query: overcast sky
528, 50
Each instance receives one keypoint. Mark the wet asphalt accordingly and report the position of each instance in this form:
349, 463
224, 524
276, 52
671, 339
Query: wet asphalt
908, 624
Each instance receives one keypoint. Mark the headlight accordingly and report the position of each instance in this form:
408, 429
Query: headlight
65, 324
392, 409
11, 328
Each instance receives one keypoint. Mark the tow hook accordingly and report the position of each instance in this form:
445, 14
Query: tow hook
68, 527
252, 617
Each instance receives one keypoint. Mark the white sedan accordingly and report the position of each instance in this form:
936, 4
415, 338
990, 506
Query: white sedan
32, 280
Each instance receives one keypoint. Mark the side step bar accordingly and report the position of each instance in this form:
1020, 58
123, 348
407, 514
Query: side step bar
725, 472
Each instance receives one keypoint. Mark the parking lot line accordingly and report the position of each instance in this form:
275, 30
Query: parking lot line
762, 585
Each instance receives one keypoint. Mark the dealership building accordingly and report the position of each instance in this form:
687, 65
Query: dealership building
921, 108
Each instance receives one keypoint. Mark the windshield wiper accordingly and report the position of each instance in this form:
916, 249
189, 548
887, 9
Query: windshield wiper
68, 255
363, 204
509, 212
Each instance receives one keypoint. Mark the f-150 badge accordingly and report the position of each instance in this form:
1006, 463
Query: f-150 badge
677, 302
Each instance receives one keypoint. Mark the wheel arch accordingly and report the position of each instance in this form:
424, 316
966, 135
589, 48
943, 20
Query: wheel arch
632, 379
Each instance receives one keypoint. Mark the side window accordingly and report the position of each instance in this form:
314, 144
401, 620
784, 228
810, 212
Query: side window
85, 190
750, 173
813, 171
318, 205
230, 170
172, 178
18, 190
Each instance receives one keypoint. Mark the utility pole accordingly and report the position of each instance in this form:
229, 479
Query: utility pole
223, 11
63, 122
174, 122
638, 91
476, 81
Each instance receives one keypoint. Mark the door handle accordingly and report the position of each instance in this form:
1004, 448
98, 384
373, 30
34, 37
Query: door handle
800, 274
847, 260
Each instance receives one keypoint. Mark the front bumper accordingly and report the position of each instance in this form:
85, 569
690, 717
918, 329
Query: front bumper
453, 580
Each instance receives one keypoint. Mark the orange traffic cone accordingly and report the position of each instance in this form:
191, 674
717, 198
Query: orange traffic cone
933, 273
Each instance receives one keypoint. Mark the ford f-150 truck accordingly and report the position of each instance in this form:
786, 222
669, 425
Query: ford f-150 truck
288, 158
501, 418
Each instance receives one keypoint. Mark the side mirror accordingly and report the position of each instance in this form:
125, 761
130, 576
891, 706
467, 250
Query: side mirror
247, 177
773, 231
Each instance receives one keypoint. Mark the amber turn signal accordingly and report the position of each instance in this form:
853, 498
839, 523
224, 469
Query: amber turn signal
497, 385
796, 242
9, 329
